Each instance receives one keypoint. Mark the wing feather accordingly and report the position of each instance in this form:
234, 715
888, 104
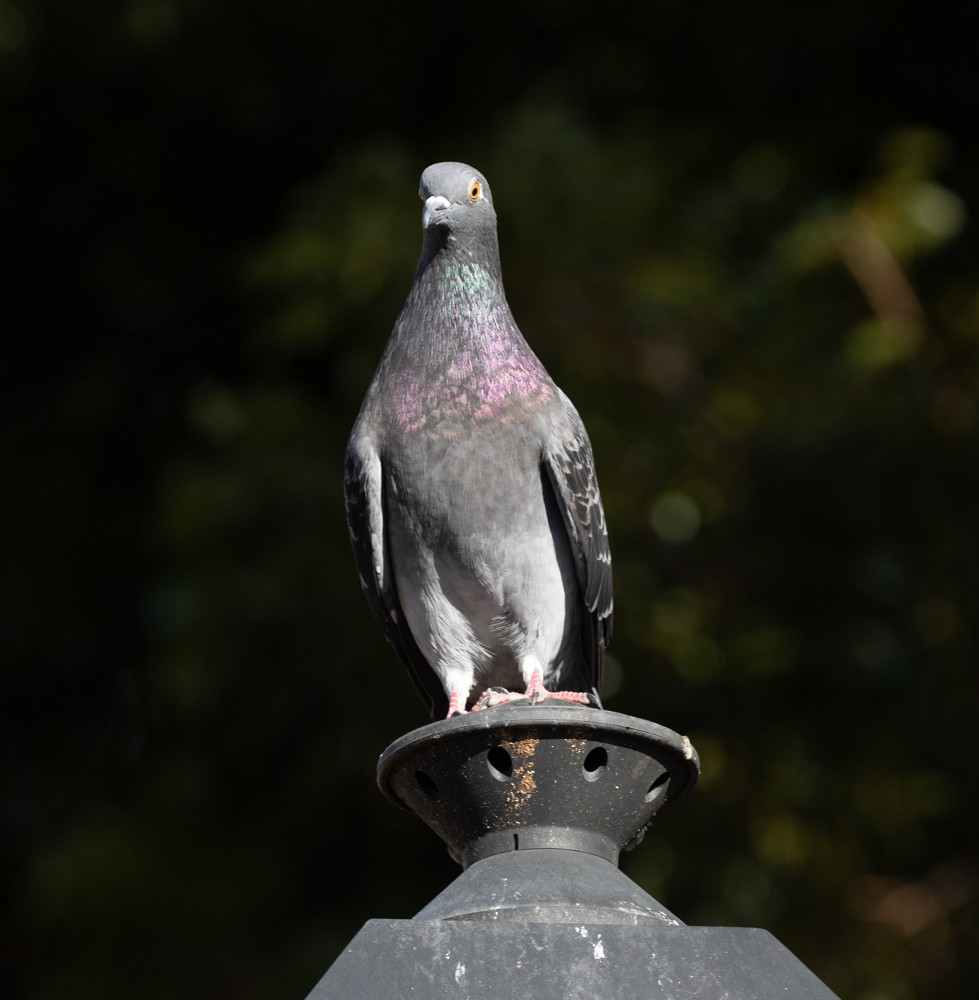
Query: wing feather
364, 500
570, 464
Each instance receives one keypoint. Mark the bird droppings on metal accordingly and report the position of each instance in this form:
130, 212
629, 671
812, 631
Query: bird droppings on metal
460, 971
525, 747
687, 748
524, 783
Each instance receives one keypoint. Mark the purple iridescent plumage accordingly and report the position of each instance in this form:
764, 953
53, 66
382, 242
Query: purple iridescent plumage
470, 486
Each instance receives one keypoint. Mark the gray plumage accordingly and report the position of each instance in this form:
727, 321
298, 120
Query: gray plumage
470, 485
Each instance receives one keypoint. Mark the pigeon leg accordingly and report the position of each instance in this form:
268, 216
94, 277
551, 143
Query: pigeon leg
536, 692
457, 704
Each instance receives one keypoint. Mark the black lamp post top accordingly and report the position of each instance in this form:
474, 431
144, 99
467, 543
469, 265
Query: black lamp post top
523, 777
536, 802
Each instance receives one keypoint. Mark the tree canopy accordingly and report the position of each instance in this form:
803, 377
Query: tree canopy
743, 238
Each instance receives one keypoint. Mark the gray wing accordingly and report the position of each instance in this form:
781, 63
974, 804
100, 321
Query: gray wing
571, 466
363, 486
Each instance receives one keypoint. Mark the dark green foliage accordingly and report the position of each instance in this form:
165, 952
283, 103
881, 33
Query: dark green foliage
743, 238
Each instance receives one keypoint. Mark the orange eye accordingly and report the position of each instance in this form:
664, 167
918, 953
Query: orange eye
475, 190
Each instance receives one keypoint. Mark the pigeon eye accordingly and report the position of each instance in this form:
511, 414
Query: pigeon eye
475, 190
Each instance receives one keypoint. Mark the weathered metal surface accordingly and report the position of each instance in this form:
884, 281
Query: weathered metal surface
436, 959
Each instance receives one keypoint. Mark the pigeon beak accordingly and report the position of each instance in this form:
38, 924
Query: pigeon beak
433, 205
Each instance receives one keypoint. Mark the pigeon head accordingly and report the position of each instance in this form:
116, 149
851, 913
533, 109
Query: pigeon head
457, 202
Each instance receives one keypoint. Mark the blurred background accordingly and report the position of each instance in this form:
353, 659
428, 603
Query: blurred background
743, 237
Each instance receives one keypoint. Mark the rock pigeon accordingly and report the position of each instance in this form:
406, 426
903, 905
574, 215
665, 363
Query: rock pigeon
470, 485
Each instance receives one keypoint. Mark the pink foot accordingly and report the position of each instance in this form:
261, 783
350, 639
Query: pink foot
537, 693
457, 705
494, 696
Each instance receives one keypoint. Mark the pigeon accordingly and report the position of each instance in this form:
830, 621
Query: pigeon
470, 487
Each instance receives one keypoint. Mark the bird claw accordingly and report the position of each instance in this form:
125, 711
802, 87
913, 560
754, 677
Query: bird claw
494, 696
537, 693
584, 698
